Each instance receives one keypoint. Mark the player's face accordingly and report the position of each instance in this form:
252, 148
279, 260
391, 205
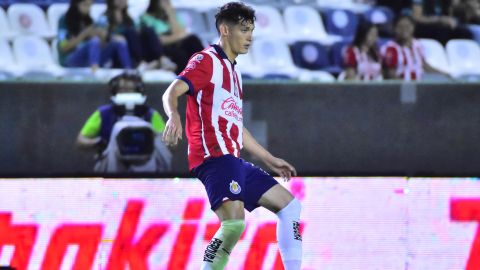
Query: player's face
240, 37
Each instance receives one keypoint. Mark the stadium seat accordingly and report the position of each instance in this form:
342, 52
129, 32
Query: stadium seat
194, 22
303, 23
54, 12
313, 56
273, 57
137, 8
310, 55
341, 22
262, 2
246, 65
8, 65
297, 2
33, 54
464, 57
5, 30
352, 5
336, 53
316, 76
435, 54
97, 10
29, 19
158, 75
379, 15
269, 22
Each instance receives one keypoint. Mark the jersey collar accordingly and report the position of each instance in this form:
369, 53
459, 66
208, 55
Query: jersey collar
222, 53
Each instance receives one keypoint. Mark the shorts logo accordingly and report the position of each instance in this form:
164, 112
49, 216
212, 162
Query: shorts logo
235, 187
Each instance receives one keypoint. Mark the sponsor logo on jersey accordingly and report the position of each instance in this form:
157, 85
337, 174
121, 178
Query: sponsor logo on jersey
232, 109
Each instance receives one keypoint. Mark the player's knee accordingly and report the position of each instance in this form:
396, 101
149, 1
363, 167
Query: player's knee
233, 228
292, 209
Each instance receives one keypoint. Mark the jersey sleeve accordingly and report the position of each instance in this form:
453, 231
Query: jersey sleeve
91, 129
349, 59
198, 72
157, 122
390, 58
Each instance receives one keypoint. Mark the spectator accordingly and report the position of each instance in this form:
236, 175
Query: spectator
103, 129
468, 13
82, 44
179, 45
144, 46
362, 58
434, 20
403, 58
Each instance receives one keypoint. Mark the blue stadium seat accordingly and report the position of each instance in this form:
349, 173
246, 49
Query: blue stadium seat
336, 53
312, 55
379, 15
341, 22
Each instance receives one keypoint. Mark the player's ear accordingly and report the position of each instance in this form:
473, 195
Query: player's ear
224, 29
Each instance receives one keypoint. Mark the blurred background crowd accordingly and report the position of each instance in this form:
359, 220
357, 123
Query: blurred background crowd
306, 40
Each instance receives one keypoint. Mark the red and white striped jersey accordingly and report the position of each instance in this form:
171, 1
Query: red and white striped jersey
407, 61
366, 68
214, 124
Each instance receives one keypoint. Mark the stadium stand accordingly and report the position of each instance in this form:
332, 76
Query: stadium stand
303, 37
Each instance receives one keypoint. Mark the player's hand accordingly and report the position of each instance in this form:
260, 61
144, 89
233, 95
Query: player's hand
282, 168
173, 130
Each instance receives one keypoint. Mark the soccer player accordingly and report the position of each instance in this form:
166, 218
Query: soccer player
215, 134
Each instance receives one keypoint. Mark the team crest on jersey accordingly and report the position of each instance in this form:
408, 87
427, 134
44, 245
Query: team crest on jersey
199, 57
235, 187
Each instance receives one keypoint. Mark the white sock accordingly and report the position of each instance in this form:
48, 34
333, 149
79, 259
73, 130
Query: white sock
288, 235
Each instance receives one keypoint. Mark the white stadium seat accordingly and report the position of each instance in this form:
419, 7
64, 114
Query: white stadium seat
273, 57
29, 19
8, 64
304, 23
33, 55
435, 54
316, 76
54, 12
97, 10
246, 65
158, 75
269, 22
464, 57
5, 29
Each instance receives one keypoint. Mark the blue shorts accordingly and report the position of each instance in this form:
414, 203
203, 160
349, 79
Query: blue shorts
231, 178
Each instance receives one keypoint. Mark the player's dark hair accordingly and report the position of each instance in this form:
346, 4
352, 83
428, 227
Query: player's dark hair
129, 75
74, 20
234, 13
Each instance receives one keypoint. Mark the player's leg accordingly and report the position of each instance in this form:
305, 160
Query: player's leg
224, 180
281, 202
232, 217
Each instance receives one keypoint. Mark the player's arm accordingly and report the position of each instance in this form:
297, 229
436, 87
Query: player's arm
173, 127
278, 165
